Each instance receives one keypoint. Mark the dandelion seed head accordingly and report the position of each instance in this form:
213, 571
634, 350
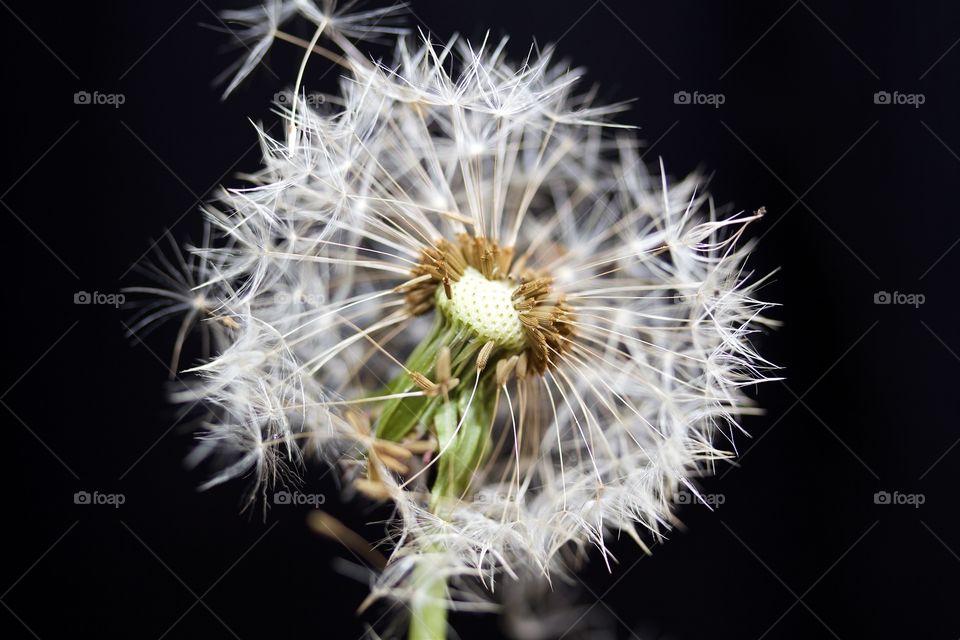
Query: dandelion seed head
460, 283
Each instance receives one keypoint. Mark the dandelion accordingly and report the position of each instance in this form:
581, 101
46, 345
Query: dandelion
457, 281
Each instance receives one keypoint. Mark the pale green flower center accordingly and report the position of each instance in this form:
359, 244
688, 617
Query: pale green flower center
486, 307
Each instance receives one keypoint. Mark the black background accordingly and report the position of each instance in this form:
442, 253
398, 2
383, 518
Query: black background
860, 199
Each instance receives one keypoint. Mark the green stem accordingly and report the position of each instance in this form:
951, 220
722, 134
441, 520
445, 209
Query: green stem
461, 424
428, 615
465, 452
